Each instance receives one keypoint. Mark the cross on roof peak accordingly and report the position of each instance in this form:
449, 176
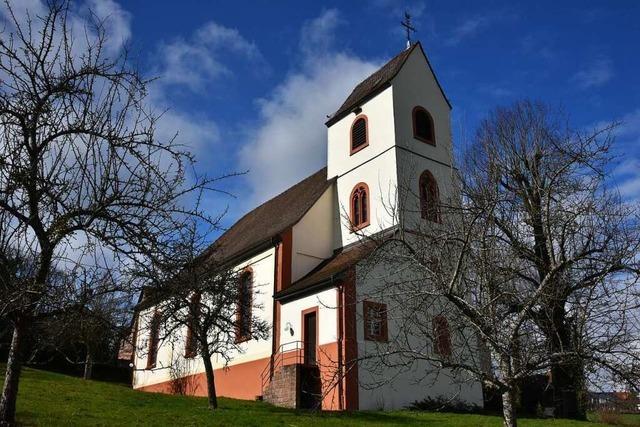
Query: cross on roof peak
406, 23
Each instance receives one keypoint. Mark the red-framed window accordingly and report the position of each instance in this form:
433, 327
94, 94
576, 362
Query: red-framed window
244, 308
191, 344
359, 206
429, 197
375, 321
154, 340
442, 336
359, 133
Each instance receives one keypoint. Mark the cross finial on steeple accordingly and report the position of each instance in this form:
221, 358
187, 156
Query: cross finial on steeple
406, 23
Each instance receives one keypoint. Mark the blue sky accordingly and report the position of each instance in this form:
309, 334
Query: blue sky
248, 84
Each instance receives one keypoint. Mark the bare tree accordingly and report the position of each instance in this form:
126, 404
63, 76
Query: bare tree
533, 257
80, 164
209, 306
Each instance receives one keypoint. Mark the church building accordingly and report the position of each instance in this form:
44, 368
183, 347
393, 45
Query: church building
302, 253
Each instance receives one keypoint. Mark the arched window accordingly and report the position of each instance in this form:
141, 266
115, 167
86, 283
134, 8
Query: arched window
429, 197
245, 302
441, 336
360, 206
359, 134
423, 126
154, 340
191, 345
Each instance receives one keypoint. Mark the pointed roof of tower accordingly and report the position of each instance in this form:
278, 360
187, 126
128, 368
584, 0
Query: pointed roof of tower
378, 81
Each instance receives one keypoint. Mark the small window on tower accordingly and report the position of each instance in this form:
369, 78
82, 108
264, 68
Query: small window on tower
375, 321
423, 126
359, 206
359, 134
429, 197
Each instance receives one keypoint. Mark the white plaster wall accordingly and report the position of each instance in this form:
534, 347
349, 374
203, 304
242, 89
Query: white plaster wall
400, 388
313, 236
291, 312
263, 266
415, 85
380, 122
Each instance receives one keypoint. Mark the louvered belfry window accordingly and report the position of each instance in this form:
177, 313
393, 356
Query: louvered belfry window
359, 134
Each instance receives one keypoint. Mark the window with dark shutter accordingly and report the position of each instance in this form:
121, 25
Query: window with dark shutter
359, 134
360, 206
423, 126
429, 197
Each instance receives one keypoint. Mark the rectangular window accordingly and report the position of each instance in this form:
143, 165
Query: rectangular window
375, 321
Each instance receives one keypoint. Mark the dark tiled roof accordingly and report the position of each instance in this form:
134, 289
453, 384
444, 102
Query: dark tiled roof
371, 85
329, 269
377, 81
271, 218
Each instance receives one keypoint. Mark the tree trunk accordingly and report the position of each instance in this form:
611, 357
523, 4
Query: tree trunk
88, 366
211, 384
567, 374
12, 377
509, 409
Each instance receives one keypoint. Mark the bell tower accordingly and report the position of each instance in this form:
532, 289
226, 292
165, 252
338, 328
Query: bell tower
389, 148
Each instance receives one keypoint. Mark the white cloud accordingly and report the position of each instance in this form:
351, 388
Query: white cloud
117, 22
597, 73
290, 141
200, 59
627, 174
467, 28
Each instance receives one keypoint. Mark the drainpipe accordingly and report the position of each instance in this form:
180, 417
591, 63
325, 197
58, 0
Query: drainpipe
340, 345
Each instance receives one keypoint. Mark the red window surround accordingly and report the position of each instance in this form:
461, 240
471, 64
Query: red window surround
423, 128
429, 197
245, 303
359, 212
191, 348
359, 134
442, 336
154, 338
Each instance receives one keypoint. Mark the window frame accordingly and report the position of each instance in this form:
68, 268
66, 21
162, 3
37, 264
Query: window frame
366, 134
431, 141
190, 345
361, 225
384, 331
441, 324
239, 333
427, 178
154, 341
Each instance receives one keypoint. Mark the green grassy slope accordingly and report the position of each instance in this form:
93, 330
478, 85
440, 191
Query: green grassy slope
53, 399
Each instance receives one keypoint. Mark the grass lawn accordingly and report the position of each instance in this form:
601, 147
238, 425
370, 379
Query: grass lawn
53, 399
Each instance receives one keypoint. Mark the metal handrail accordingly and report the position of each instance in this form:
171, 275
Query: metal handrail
278, 360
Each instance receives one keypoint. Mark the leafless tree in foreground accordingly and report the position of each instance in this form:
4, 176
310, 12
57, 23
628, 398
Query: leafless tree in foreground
204, 308
79, 163
535, 258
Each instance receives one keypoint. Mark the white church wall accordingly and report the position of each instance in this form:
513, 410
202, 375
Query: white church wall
380, 127
291, 315
313, 236
415, 85
396, 388
381, 177
263, 267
